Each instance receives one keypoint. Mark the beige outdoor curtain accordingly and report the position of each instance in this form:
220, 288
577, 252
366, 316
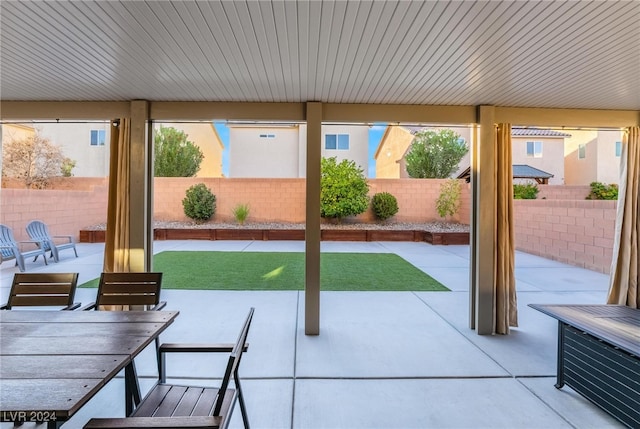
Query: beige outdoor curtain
505, 310
116, 253
623, 283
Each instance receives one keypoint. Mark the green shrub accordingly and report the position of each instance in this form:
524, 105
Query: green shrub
199, 203
384, 205
241, 213
526, 191
448, 201
601, 191
68, 164
343, 189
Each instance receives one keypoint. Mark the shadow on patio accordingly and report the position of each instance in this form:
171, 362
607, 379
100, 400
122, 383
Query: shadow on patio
382, 359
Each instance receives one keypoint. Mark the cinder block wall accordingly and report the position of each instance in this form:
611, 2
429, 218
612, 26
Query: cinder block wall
65, 211
576, 232
283, 200
269, 200
61, 183
557, 192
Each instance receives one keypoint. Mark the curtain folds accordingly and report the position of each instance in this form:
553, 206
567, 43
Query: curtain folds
116, 253
505, 309
623, 281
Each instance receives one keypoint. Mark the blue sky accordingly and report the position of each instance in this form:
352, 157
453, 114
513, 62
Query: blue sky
375, 134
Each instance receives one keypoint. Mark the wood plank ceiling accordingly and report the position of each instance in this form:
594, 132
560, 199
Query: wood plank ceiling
562, 54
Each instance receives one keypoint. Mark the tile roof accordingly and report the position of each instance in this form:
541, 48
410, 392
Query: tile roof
520, 131
520, 171
523, 171
515, 132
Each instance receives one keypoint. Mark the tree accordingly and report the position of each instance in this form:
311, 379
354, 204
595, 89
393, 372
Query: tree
34, 160
343, 189
175, 156
435, 154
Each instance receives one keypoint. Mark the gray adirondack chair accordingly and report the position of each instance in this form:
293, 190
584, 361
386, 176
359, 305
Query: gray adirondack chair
38, 231
10, 248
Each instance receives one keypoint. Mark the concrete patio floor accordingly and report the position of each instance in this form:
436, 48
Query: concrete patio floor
382, 360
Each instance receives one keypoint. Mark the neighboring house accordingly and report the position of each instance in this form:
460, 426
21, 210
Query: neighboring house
593, 156
541, 149
16, 132
537, 148
395, 142
273, 150
88, 144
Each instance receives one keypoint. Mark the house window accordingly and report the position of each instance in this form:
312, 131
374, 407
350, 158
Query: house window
98, 137
336, 141
618, 149
534, 149
582, 151
343, 141
267, 136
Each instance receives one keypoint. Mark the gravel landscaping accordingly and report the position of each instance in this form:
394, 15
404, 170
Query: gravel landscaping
398, 226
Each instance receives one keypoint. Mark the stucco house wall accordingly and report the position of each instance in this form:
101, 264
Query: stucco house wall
551, 161
263, 151
581, 171
600, 163
389, 155
75, 140
279, 151
358, 144
11, 132
608, 163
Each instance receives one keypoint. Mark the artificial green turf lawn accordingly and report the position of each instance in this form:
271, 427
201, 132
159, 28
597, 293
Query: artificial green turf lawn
285, 271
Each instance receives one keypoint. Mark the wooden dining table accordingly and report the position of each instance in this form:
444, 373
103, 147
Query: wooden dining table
53, 362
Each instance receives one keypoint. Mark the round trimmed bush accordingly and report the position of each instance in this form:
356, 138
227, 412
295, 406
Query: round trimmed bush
199, 203
384, 205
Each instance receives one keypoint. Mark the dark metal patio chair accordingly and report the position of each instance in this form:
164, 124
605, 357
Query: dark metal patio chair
129, 291
43, 289
172, 406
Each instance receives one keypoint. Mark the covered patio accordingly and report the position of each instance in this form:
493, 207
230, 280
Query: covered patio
326, 62
488, 65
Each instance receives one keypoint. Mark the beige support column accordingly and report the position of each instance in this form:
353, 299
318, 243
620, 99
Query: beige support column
139, 191
473, 238
148, 250
312, 233
483, 223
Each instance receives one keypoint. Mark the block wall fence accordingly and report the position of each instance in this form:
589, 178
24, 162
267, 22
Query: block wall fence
283, 200
560, 225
